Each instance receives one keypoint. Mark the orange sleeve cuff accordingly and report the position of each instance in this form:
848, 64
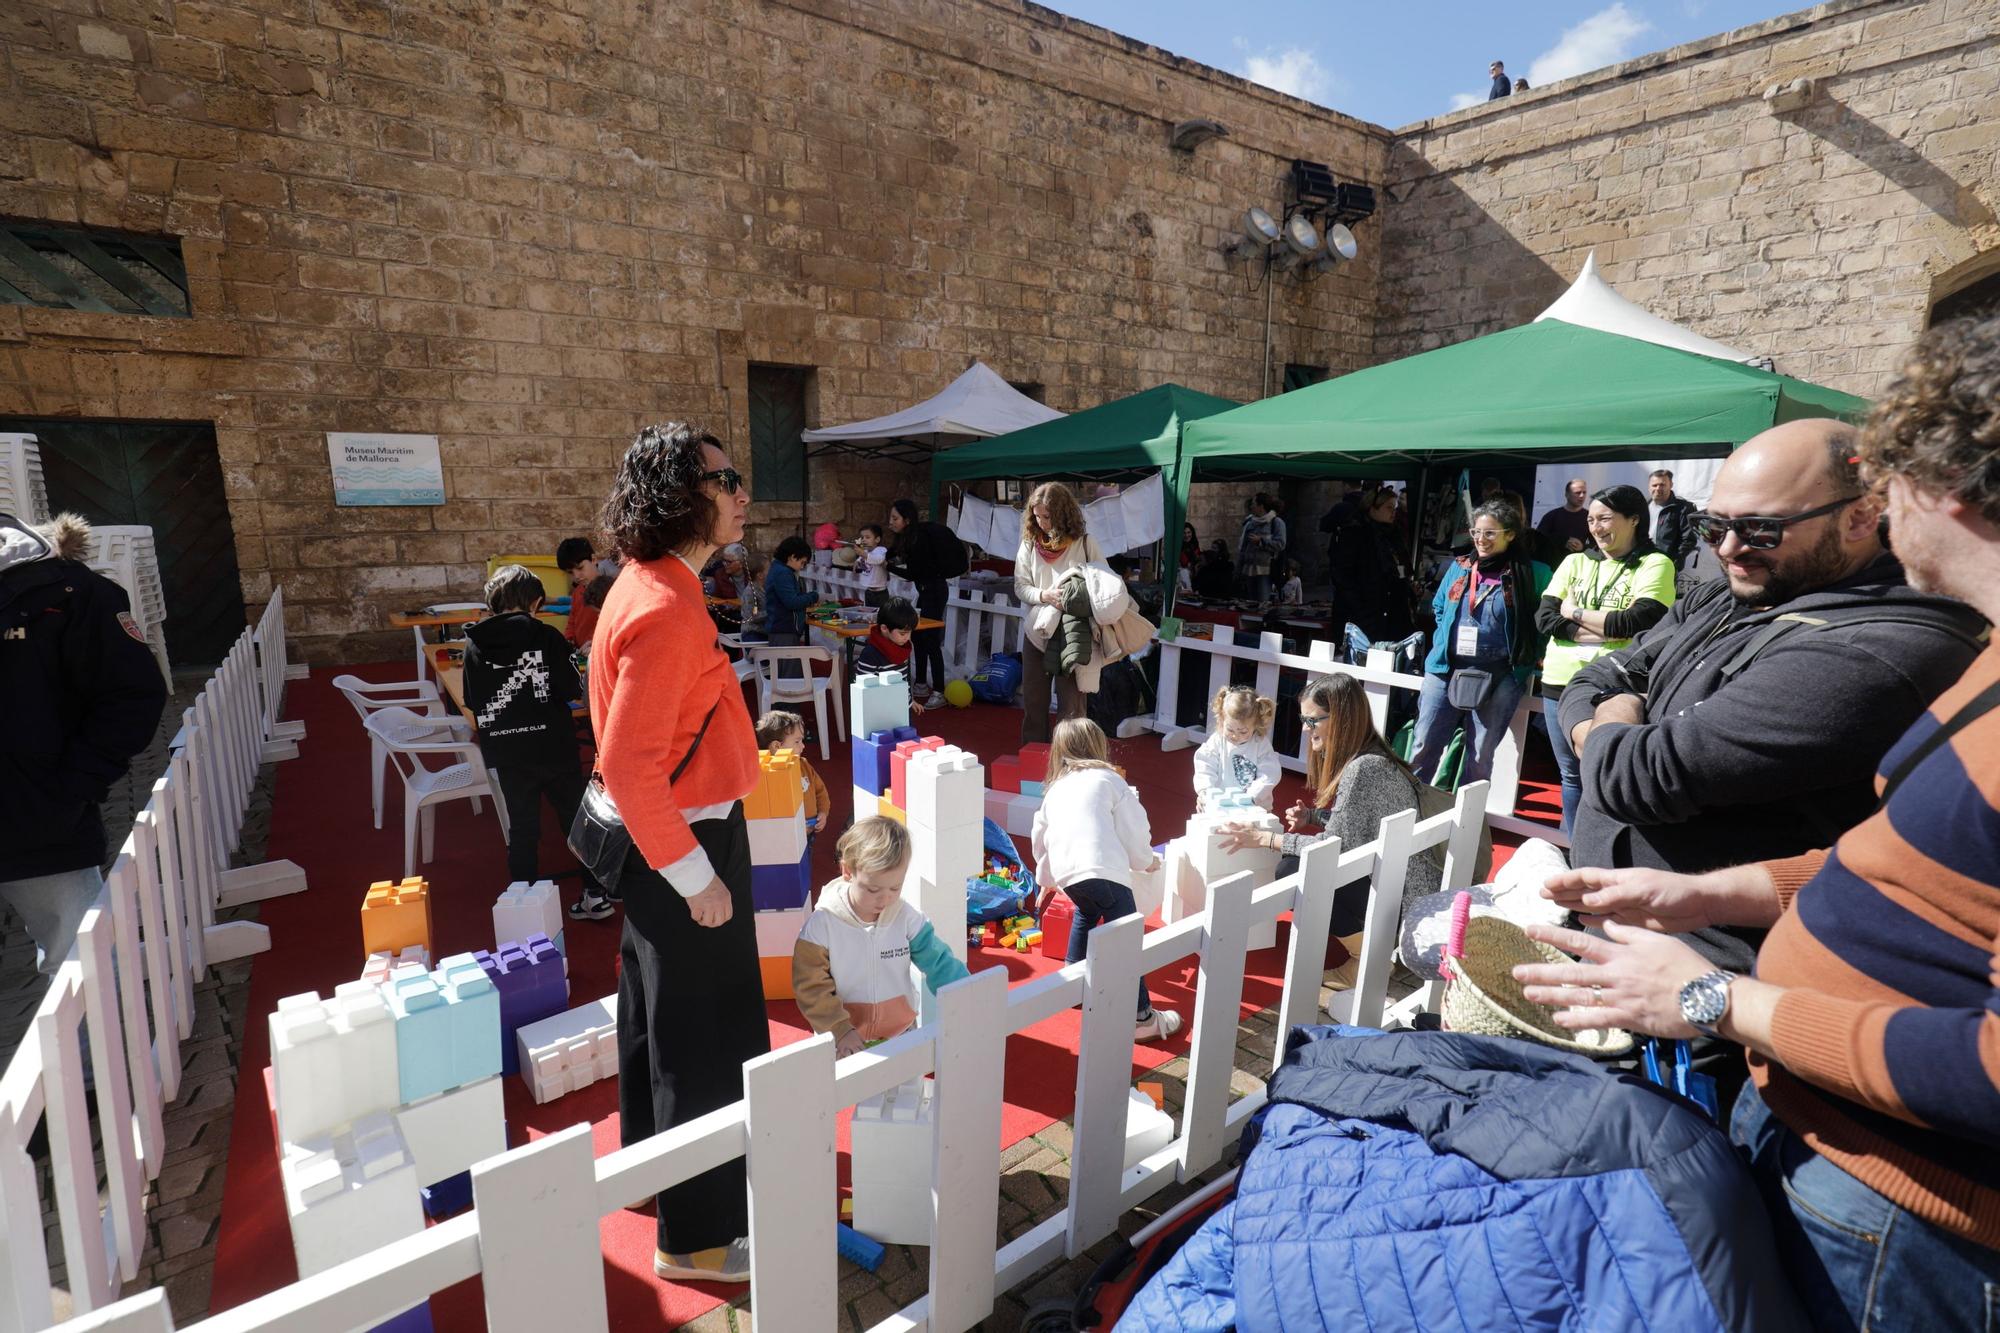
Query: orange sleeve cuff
1791, 873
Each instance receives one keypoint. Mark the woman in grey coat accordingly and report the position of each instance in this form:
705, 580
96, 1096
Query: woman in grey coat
1354, 782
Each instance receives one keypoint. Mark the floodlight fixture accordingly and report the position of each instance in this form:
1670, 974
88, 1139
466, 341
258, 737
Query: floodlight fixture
1260, 232
1351, 203
1312, 184
1301, 242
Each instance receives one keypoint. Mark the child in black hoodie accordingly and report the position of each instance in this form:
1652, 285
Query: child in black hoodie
519, 681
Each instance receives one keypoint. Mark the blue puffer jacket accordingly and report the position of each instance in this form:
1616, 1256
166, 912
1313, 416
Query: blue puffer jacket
1437, 1181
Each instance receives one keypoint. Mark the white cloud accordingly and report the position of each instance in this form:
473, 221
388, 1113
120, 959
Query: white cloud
1295, 70
1605, 38
1460, 101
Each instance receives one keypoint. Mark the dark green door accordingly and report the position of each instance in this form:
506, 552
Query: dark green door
168, 477
777, 419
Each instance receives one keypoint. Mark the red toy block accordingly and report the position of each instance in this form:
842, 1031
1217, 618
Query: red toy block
898, 797
1055, 923
1034, 759
1004, 775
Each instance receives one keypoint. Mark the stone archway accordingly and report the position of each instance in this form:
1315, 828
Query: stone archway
1970, 288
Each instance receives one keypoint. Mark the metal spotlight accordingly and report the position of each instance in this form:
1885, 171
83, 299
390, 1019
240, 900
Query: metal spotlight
1301, 241
1260, 233
1340, 245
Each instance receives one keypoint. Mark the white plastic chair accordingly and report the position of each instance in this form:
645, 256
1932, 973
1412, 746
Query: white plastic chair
418, 697
417, 633
773, 688
423, 787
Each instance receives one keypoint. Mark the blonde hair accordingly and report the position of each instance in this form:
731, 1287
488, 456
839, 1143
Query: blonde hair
874, 843
1078, 744
1236, 700
775, 725
1064, 512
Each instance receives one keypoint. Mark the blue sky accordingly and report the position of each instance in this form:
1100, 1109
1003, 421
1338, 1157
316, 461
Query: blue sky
1400, 62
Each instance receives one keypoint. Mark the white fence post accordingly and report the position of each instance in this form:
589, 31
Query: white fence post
1103, 1082
789, 1113
130, 1000
1312, 920
70, 1166
25, 1298
1212, 1053
1383, 922
120, 1136
971, 1068
541, 1263
148, 1312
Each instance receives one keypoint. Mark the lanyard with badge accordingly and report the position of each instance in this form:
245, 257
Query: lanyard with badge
1598, 599
1467, 642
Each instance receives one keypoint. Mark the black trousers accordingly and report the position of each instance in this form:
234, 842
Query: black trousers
927, 645
690, 1012
523, 789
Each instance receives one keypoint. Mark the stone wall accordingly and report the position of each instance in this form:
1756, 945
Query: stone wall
531, 228
1819, 236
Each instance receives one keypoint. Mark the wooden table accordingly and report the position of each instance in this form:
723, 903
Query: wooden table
435, 619
851, 632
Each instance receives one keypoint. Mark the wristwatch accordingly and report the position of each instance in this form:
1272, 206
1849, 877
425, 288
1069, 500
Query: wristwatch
1705, 1000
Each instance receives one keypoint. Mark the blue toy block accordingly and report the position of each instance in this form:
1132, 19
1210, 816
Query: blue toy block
858, 1249
530, 981
871, 756
474, 1009
416, 1319
776, 888
1030, 788
424, 1064
451, 1195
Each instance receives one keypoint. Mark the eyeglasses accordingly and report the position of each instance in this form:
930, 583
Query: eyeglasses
1759, 532
1311, 723
1487, 534
728, 478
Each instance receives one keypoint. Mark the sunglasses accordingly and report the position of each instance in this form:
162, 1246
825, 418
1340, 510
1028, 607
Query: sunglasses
1311, 723
728, 478
1759, 532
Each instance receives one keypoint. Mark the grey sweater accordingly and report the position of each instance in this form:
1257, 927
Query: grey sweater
1373, 787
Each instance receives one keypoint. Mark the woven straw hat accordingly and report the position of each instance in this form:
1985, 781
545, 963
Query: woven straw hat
1483, 997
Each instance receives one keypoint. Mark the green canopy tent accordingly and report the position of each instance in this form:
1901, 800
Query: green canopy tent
1545, 392
1136, 434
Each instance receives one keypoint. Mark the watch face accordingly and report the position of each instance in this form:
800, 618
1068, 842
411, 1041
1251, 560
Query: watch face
1705, 999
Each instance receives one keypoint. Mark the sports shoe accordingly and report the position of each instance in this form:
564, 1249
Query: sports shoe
590, 907
724, 1263
1160, 1026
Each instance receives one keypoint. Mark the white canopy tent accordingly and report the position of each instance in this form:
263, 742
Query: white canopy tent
974, 406
1594, 304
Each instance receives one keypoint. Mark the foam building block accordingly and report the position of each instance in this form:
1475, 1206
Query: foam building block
1147, 1129
1004, 774
332, 1061
890, 1146
898, 791
1030, 788
473, 1008
443, 1199
946, 789
380, 967
871, 756
1210, 864
525, 909
1020, 822
417, 1319
1149, 887
888, 809
779, 789
532, 985
349, 1192
569, 1050
396, 915
877, 703
778, 887
424, 1058
1034, 759
777, 932
995, 806
1055, 923
447, 1133
778, 840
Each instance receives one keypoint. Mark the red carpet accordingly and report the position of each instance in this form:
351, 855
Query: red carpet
322, 821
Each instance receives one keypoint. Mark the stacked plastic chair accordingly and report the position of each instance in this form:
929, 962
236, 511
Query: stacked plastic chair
126, 555
23, 493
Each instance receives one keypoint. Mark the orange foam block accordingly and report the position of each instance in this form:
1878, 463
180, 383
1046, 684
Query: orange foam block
780, 787
777, 977
888, 809
396, 916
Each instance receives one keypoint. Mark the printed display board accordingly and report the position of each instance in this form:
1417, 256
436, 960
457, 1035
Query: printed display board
376, 469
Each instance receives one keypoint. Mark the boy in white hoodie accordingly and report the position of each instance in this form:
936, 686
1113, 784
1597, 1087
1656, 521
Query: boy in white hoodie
1088, 841
851, 963
1237, 753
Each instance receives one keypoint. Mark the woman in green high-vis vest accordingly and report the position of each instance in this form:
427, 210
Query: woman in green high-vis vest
1598, 600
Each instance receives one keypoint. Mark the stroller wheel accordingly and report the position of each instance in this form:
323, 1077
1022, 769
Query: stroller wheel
1050, 1316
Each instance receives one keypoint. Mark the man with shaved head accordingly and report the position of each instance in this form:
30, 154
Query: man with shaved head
1747, 724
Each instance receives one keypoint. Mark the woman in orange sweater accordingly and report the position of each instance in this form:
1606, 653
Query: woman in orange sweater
677, 754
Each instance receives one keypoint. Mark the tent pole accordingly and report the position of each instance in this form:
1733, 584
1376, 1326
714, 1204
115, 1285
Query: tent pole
1270, 290
1416, 508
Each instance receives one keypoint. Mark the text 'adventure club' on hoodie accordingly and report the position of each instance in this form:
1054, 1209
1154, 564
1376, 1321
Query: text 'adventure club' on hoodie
519, 681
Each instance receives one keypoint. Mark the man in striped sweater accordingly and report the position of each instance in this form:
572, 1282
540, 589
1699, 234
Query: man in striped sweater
1872, 1019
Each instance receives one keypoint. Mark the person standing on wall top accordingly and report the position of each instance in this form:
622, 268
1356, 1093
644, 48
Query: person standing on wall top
1502, 85
930, 556
1672, 518
82, 696
677, 754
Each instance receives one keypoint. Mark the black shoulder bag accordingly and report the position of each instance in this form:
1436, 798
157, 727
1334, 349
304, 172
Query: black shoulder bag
1975, 708
598, 834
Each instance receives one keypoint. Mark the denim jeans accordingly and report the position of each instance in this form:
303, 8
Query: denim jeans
1568, 770
1856, 1260
52, 907
1485, 725
1098, 901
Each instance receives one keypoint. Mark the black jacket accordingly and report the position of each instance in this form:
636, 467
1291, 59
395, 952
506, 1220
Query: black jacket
1674, 533
1774, 758
1369, 588
927, 552
82, 696
519, 681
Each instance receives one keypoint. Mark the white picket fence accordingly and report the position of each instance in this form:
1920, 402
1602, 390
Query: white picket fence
532, 1236
980, 619
130, 983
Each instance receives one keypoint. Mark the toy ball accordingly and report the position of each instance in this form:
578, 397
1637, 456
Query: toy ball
957, 693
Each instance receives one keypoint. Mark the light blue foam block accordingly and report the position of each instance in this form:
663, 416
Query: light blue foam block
423, 1037
475, 1019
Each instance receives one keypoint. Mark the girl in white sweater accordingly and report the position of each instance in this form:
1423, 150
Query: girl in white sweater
1237, 753
1090, 835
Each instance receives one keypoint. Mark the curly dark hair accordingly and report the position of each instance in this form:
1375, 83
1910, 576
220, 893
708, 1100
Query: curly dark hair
1939, 423
656, 505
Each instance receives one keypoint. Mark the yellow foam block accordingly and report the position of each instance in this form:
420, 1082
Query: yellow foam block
780, 788
395, 916
777, 977
890, 810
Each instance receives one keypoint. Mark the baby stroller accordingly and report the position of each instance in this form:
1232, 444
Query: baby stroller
1130, 1266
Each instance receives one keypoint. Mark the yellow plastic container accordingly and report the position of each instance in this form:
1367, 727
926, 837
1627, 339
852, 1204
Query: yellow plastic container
555, 583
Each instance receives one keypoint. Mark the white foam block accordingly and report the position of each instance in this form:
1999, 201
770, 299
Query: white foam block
946, 788
778, 841
1147, 1129
778, 931
877, 703
891, 1142
332, 1060
1021, 815
1213, 865
349, 1193
525, 909
570, 1050
447, 1133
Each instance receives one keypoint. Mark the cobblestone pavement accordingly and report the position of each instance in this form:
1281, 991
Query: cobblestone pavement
184, 1205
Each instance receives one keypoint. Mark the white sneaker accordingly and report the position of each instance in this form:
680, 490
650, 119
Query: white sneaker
1160, 1027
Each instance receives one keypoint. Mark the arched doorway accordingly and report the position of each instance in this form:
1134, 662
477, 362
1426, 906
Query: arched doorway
1972, 288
